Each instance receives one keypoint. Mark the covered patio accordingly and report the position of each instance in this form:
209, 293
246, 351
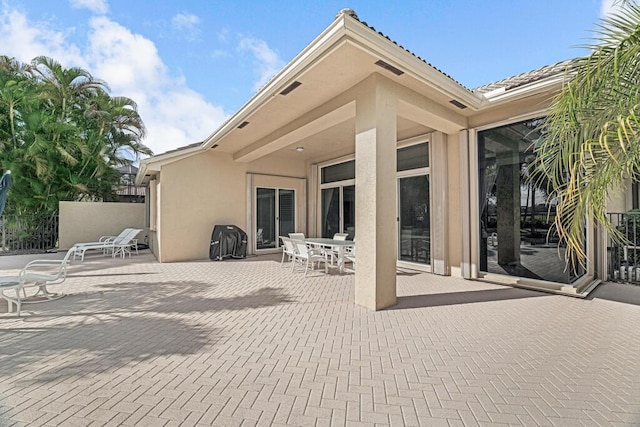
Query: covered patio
246, 342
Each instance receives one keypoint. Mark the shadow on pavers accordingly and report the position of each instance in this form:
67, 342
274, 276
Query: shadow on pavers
86, 333
617, 292
464, 297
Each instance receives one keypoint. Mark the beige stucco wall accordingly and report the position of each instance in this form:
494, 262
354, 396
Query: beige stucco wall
203, 190
88, 221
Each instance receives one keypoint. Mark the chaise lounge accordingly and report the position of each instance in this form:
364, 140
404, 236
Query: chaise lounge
120, 244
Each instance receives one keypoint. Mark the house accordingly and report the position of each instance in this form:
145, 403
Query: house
358, 135
128, 191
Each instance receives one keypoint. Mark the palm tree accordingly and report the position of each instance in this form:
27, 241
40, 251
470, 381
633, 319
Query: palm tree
63, 134
592, 134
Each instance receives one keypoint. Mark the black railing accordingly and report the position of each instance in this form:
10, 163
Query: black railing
24, 234
624, 257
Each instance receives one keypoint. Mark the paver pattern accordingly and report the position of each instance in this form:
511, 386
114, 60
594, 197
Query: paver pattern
235, 343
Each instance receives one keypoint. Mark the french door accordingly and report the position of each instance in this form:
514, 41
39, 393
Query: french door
275, 216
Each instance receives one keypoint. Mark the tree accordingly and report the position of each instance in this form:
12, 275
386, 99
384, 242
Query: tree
62, 134
592, 134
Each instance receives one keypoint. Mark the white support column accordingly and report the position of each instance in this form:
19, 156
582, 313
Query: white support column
376, 139
439, 204
465, 204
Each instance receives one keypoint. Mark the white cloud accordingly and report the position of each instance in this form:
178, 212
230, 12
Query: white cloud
174, 114
187, 25
184, 21
266, 60
25, 40
96, 6
609, 8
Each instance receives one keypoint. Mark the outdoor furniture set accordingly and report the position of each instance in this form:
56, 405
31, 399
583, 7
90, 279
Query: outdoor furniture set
41, 273
334, 252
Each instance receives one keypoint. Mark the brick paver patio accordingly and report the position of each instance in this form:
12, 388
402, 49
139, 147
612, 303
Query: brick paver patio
249, 343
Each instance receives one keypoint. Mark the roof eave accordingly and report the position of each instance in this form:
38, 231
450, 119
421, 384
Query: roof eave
548, 84
330, 36
153, 164
359, 34
412, 65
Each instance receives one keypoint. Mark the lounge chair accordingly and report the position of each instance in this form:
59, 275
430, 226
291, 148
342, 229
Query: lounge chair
38, 273
121, 244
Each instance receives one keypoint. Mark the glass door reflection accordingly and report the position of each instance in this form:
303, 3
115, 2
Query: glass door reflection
265, 218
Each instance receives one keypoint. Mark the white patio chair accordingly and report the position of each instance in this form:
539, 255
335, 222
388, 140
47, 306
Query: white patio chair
37, 273
351, 256
308, 255
334, 253
288, 249
296, 236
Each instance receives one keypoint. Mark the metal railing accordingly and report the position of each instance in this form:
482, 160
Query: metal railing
624, 258
19, 234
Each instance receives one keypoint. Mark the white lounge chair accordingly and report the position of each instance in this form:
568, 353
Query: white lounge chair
38, 273
121, 244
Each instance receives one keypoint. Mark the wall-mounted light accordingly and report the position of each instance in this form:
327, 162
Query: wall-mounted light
299, 149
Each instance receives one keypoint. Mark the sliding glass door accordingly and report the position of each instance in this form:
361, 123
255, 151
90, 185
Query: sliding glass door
338, 210
414, 213
516, 224
275, 216
414, 219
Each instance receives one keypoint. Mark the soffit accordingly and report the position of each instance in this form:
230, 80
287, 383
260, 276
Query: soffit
339, 140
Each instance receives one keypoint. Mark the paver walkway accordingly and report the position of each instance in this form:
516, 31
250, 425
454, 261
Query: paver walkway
249, 343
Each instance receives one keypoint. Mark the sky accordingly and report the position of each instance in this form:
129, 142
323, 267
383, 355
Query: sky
190, 64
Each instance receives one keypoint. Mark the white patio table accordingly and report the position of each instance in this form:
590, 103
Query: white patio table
339, 245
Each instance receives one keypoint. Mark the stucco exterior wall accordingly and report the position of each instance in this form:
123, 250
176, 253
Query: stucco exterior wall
203, 190
88, 221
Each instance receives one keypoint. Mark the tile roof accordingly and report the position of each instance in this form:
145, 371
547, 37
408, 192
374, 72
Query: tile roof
528, 77
353, 14
508, 83
185, 147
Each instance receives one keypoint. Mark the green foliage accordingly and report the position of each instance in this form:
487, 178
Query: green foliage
62, 135
592, 140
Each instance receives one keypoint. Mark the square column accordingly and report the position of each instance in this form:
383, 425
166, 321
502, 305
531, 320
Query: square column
508, 209
438, 164
376, 198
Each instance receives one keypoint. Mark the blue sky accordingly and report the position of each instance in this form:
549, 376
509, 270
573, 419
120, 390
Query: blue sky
190, 64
